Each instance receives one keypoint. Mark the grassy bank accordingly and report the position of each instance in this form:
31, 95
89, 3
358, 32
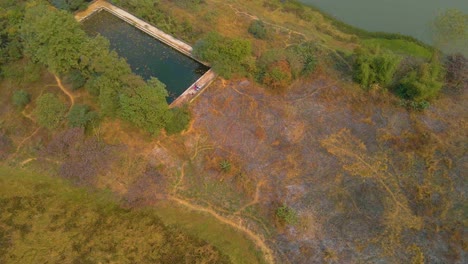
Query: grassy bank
46, 220
225, 238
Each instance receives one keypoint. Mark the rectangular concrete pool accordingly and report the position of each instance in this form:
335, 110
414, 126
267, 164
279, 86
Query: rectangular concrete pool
146, 55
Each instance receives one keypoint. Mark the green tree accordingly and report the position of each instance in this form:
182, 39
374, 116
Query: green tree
375, 66
451, 31
146, 106
424, 83
21, 98
81, 116
178, 120
49, 110
52, 37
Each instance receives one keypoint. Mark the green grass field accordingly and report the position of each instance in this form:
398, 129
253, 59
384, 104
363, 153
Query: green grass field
46, 220
400, 46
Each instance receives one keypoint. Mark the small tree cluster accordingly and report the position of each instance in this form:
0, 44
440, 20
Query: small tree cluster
81, 116
424, 83
20, 98
55, 39
375, 66
49, 111
227, 56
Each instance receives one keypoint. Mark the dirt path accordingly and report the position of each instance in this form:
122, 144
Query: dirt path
254, 201
268, 254
65, 91
24, 141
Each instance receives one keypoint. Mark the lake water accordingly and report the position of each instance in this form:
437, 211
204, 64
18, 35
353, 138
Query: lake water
147, 56
409, 17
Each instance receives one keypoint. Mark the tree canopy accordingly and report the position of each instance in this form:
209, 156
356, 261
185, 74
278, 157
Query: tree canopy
53, 38
145, 106
451, 31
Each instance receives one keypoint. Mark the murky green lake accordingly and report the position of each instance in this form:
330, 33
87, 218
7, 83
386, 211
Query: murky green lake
409, 17
147, 56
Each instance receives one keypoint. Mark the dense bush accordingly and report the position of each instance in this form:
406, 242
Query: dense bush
375, 66
146, 106
227, 56
178, 120
81, 116
49, 110
422, 84
20, 98
258, 29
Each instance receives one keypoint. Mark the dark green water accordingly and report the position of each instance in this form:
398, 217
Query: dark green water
147, 56
409, 17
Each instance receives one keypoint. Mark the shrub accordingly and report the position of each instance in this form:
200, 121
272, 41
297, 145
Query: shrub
21, 98
227, 56
225, 166
286, 214
178, 120
372, 65
81, 116
422, 84
49, 111
258, 30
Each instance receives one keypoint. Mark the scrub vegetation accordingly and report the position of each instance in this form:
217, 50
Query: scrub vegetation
318, 143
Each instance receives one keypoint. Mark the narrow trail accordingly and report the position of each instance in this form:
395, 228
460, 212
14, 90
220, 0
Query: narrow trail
267, 253
65, 91
254, 201
24, 141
